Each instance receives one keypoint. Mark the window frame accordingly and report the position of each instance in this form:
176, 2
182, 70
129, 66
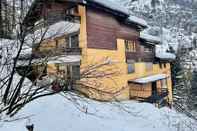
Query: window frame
69, 39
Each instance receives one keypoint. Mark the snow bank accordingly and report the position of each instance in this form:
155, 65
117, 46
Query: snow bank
56, 113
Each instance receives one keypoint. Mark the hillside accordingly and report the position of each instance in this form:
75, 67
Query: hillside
73, 113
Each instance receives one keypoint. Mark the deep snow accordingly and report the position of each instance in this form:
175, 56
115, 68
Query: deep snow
68, 113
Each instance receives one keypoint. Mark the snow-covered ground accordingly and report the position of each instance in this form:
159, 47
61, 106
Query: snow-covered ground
68, 113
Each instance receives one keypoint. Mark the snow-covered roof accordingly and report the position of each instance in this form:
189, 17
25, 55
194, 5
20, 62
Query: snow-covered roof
111, 5
56, 30
161, 53
149, 79
150, 38
119, 8
166, 56
138, 20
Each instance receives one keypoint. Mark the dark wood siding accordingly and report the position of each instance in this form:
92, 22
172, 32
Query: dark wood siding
54, 11
103, 29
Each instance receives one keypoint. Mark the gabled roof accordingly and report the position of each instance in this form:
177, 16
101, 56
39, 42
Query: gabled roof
107, 5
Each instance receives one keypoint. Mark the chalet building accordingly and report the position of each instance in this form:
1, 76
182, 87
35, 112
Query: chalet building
100, 48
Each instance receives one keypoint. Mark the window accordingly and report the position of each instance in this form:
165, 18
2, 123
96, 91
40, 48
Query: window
72, 41
149, 66
130, 46
131, 67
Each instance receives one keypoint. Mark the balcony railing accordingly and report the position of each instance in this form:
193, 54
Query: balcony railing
160, 95
51, 53
57, 52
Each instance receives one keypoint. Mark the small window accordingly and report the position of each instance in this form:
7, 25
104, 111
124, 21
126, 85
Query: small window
131, 68
75, 41
149, 66
72, 41
130, 46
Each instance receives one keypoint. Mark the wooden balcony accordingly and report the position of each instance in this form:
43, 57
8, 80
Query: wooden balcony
52, 53
57, 52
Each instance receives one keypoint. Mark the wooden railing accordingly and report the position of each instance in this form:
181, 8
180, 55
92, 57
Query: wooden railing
51, 53
158, 96
57, 52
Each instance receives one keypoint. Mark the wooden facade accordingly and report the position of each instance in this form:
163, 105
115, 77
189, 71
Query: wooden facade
103, 29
